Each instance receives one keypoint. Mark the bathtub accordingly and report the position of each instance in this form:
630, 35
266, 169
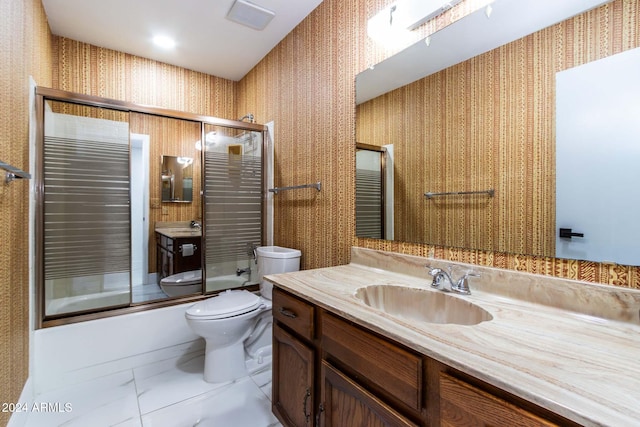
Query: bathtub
226, 282
87, 302
121, 296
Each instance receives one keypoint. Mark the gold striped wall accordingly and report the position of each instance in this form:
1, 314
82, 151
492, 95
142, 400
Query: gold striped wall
25, 49
91, 70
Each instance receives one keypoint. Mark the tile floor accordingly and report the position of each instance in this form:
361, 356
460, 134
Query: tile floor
169, 393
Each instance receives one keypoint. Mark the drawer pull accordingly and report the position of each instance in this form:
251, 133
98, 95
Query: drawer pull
288, 313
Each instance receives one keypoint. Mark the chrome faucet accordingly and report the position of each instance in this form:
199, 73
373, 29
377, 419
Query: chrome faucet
195, 224
461, 286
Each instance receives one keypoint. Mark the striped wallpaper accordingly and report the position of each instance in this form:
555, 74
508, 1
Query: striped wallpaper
25, 50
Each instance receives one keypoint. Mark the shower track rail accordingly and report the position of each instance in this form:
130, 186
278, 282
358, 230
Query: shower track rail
316, 185
489, 192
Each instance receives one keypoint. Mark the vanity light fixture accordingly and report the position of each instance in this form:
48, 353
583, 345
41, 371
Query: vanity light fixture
164, 42
384, 29
251, 15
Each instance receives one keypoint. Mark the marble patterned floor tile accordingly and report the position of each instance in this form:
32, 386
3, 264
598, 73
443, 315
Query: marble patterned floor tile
262, 378
173, 380
106, 401
238, 404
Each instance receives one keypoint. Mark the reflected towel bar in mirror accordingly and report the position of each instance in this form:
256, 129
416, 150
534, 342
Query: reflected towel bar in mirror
13, 172
316, 185
490, 193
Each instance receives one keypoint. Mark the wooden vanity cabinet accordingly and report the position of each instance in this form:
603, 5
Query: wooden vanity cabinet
293, 394
347, 403
462, 404
170, 258
330, 372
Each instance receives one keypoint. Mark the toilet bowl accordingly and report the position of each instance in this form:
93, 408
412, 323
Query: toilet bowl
180, 284
225, 321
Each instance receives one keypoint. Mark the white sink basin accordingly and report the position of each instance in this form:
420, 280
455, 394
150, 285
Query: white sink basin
423, 305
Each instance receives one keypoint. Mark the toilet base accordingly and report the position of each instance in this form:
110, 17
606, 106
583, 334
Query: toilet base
224, 364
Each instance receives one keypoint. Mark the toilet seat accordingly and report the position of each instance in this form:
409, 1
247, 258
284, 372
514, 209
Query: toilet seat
226, 304
185, 278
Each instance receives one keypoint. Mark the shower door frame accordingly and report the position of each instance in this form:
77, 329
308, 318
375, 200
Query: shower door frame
44, 94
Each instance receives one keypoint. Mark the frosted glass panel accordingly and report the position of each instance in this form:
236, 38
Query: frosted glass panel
87, 226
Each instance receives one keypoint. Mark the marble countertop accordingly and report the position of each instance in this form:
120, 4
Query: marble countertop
582, 366
175, 233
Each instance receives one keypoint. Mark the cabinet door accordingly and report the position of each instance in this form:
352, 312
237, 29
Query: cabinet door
293, 365
462, 404
347, 404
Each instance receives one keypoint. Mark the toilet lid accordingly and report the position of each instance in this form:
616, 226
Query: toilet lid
226, 304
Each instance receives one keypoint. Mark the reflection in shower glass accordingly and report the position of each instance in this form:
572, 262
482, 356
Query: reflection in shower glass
86, 208
370, 193
233, 206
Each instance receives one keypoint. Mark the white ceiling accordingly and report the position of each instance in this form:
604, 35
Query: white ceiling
206, 40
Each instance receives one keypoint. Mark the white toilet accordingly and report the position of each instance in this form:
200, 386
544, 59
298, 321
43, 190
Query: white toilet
181, 284
226, 320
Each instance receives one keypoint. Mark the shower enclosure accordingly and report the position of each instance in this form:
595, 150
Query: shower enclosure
98, 202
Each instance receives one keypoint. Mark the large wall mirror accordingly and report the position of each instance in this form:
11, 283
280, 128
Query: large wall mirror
471, 116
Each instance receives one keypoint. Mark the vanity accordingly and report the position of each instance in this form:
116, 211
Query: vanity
352, 347
178, 249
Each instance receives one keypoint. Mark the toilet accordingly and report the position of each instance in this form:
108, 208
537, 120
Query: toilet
181, 284
226, 320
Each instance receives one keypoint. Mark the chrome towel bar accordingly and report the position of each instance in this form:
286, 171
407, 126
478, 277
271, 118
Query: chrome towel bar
13, 172
490, 193
316, 185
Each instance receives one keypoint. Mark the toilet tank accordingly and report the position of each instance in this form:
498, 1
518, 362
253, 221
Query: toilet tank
274, 260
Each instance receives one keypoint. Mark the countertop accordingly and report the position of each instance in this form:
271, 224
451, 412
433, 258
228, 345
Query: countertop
578, 365
176, 233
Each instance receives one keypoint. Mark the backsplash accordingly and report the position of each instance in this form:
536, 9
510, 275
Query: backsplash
594, 272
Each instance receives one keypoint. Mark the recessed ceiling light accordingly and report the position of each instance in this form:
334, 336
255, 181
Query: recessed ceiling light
249, 14
164, 42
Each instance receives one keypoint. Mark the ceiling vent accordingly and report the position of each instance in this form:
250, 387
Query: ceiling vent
249, 14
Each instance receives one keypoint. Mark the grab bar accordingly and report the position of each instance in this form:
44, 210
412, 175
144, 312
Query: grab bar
13, 172
316, 185
490, 193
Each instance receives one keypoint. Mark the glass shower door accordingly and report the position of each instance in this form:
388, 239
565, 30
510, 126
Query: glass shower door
233, 219
86, 227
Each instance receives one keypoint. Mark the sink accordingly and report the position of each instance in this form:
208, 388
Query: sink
422, 305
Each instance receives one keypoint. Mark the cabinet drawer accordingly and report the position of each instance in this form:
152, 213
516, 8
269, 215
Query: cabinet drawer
377, 362
293, 312
463, 404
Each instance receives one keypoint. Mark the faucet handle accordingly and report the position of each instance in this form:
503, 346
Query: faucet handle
437, 274
462, 286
